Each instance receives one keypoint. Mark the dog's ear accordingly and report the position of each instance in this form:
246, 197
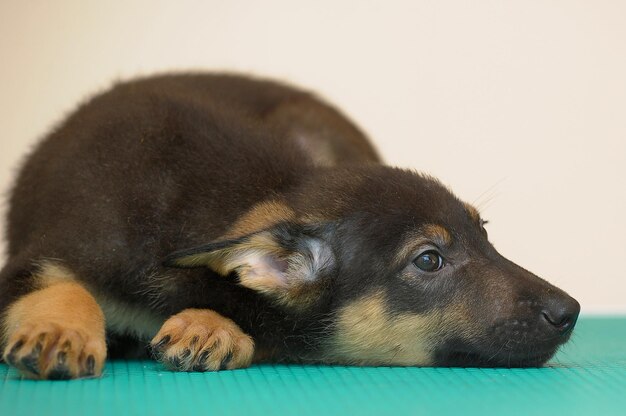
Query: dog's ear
286, 262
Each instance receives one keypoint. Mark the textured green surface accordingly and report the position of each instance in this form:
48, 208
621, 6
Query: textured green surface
587, 377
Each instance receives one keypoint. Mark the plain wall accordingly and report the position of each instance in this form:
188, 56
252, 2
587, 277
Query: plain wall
518, 106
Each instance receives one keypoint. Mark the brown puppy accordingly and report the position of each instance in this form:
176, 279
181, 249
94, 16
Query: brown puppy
233, 220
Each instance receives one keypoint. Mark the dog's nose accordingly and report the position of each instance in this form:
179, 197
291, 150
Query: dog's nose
561, 313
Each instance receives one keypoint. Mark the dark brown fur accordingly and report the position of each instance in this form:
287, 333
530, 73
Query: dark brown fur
261, 203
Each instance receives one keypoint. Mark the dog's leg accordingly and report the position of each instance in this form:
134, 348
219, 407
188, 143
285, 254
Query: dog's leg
202, 340
55, 331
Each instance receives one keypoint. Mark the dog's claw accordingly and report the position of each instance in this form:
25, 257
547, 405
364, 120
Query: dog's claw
202, 340
226, 360
10, 357
59, 373
49, 351
91, 365
162, 343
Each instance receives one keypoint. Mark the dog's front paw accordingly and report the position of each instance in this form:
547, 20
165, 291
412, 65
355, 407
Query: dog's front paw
51, 351
202, 340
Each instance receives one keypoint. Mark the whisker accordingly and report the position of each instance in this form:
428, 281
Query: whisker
477, 201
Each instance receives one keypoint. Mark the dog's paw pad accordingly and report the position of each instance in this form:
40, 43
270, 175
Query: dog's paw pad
50, 351
202, 340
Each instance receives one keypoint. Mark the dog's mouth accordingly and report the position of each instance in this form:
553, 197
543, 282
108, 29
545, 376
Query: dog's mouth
499, 360
508, 344
501, 353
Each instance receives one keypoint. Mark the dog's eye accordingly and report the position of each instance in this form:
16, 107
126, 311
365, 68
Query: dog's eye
429, 261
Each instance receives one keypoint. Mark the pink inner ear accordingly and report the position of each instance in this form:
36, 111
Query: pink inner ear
265, 270
277, 263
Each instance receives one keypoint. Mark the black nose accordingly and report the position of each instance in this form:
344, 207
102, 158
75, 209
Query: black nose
561, 313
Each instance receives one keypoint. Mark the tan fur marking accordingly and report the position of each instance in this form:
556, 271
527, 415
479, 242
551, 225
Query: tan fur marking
53, 332
473, 212
367, 334
456, 319
53, 273
438, 234
202, 340
415, 240
262, 216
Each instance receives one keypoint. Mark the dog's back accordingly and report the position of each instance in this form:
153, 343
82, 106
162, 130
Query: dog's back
178, 134
218, 140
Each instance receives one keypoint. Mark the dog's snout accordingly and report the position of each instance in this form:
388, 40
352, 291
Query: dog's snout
561, 313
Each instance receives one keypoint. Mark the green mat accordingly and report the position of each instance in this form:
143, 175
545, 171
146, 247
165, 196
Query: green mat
587, 377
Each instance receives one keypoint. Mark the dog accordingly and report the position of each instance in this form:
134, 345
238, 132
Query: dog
220, 220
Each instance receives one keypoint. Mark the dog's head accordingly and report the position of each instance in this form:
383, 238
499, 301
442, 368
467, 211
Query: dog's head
404, 268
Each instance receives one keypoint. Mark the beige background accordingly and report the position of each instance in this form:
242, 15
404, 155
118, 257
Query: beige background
519, 106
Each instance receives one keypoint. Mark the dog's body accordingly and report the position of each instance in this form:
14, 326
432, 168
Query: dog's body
243, 220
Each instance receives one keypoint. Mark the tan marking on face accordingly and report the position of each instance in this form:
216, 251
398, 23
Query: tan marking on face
429, 233
438, 234
260, 217
457, 319
368, 334
60, 317
473, 212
